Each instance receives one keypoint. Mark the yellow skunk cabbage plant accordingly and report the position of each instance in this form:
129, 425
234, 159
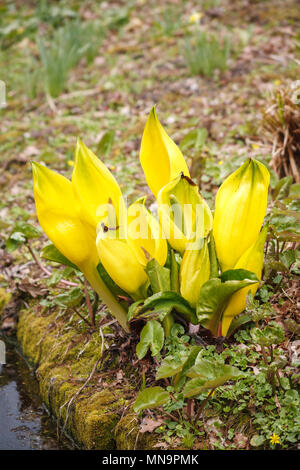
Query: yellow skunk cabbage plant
186, 264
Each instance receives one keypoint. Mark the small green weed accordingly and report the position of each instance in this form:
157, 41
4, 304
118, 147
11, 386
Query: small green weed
206, 53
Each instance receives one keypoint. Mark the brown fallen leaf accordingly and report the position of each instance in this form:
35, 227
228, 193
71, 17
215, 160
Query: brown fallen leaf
240, 440
149, 425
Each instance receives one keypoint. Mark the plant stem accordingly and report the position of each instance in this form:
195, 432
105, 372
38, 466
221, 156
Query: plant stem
203, 405
189, 409
168, 321
89, 305
171, 416
265, 356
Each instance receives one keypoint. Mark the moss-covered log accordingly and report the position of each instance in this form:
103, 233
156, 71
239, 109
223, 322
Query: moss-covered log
99, 417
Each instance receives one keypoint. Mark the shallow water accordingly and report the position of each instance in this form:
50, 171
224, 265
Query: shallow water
24, 423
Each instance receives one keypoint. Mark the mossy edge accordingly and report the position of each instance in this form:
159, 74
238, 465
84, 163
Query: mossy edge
96, 418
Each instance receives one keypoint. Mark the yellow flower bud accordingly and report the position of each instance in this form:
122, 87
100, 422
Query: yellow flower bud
96, 188
59, 215
145, 234
194, 271
241, 204
183, 213
161, 159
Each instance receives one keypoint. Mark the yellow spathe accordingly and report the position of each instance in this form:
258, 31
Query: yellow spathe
241, 204
160, 157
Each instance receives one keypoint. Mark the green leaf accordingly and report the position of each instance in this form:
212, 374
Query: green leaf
238, 275
160, 305
257, 440
190, 361
237, 322
295, 191
27, 229
195, 139
152, 397
152, 336
289, 257
207, 375
215, 295
15, 239
188, 364
171, 366
51, 253
21, 232
282, 188
105, 145
70, 299
159, 276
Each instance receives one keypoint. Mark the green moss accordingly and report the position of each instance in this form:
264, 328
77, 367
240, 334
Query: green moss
64, 358
128, 436
4, 299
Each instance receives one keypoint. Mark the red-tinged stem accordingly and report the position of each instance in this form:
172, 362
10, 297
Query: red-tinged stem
203, 406
189, 408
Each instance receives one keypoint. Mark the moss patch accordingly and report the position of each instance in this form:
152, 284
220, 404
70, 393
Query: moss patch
4, 299
64, 358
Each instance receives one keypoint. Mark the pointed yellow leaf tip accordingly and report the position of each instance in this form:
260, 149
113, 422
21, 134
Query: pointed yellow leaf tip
252, 260
95, 187
160, 157
145, 234
241, 205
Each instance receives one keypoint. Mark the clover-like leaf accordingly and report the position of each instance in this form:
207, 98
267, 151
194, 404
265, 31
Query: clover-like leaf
271, 334
70, 298
21, 232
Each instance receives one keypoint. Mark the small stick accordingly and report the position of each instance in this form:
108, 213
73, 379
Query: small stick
77, 394
82, 317
45, 270
88, 303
